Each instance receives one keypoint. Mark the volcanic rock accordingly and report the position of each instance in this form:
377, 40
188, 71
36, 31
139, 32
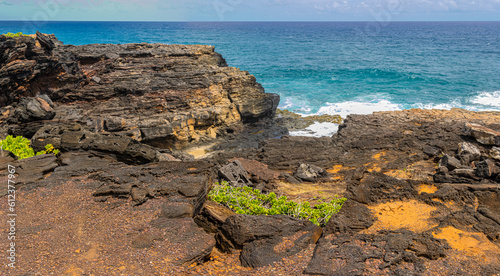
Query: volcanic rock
266, 239
166, 96
483, 135
235, 174
450, 162
308, 172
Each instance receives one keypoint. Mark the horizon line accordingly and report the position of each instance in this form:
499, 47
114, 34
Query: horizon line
259, 21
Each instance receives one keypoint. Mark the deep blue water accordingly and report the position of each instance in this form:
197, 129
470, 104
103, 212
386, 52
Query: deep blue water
333, 67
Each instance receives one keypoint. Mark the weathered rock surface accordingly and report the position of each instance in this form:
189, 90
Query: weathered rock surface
166, 96
266, 239
482, 134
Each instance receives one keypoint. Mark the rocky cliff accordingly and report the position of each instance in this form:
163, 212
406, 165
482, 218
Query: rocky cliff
165, 96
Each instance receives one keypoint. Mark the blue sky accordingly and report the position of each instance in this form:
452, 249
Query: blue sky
255, 10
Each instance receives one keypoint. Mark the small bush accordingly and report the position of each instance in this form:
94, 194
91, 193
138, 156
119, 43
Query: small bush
14, 35
246, 200
20, 147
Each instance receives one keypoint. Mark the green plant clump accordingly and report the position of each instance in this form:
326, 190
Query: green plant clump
20, 147
14, 35
250, 201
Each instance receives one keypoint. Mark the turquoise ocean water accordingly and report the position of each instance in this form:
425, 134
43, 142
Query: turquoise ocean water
332, 67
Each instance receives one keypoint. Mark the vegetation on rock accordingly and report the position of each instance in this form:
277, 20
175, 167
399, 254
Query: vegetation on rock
20, 147
250, 201
14, 34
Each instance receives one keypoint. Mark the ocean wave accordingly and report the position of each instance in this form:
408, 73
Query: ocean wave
354, 107
491, 99
317, 130
482, 101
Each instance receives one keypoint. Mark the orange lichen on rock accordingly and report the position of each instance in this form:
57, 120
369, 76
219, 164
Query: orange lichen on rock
337, 169
376, 166
470, 243
430, 189
411, 215
335, 172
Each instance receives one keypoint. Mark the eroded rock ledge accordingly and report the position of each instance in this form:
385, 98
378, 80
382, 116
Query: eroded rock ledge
164, 96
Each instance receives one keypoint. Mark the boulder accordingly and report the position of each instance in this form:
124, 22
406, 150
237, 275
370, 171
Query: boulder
235, 174
431, 151
352, 218
450, 162
35, 109
468, 153
486, 169
308, 172
212, 216
257, 169
483, 135
266, 239
33, 169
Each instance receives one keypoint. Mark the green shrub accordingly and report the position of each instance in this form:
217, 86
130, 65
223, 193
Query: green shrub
20, 147
246, 200
14, 35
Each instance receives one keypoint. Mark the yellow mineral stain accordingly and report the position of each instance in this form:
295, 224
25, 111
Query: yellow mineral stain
337, 169
470, 243
430, 189
379, 155
411, 215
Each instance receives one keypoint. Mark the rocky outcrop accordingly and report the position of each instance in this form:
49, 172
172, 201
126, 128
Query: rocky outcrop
266, 239
165, 96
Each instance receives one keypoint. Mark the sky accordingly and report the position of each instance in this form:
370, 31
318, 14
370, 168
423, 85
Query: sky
250, 10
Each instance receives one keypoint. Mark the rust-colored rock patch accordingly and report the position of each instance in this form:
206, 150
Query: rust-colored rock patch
411, 215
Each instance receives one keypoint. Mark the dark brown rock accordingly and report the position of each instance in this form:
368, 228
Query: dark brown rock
486, 169
468, 152
266, 239
450, 162
177, 210
33, 169
212, 216
258, 170
352, 218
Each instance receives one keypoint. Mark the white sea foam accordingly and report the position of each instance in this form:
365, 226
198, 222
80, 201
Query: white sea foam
491, 99
484, 101
351, 107
317, 130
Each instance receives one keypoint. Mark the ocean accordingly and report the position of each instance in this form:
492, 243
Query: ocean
332, 67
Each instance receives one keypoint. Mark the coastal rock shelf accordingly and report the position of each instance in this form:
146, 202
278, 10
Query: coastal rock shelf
421, 185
